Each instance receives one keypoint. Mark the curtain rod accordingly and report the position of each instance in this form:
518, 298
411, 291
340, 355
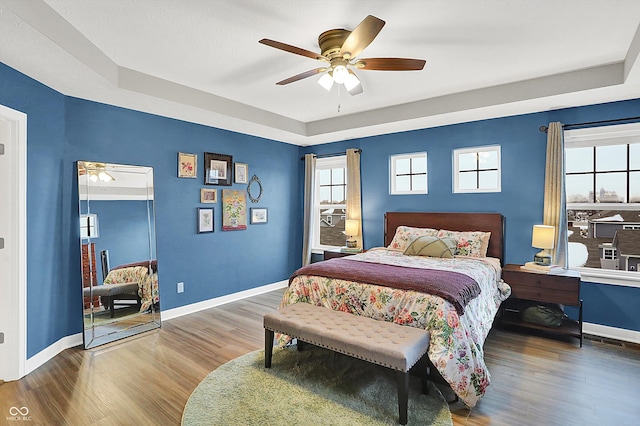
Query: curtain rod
544, 129
333, 154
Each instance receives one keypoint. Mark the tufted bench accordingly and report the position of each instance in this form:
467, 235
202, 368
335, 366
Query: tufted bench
384, 343
109, 293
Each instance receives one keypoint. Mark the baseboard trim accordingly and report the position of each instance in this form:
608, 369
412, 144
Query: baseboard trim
76, 339
51, 351
611, 332
206, 304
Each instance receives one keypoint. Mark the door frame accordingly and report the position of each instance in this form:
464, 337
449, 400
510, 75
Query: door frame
13, 303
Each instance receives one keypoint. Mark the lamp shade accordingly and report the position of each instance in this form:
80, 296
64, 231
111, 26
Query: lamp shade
351, 227
543, 236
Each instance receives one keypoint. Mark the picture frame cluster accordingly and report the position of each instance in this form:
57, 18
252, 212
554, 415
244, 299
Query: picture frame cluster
220, 170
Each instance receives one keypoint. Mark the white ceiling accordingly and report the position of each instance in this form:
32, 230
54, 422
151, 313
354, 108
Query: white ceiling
200, 60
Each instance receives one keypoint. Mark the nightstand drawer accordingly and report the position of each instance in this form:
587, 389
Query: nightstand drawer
548, 288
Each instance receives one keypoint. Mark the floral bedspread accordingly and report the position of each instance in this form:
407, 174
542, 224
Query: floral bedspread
456, 347
147, 284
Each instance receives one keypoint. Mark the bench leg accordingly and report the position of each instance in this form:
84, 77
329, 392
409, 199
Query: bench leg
268, 347
112, 309
403, 395
425, 380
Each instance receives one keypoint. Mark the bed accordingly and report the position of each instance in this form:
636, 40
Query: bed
457, 308
145, 285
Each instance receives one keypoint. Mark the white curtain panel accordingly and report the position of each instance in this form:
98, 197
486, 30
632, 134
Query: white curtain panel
555, 207
354, 198
309, 213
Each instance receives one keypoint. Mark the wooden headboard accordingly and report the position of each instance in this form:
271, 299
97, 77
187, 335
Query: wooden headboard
487, 222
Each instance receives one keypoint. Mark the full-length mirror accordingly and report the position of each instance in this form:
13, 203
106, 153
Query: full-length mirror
118, 248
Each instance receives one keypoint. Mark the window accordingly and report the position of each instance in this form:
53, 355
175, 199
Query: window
330, 199
408, 173
89, 226
602, 171
476, 169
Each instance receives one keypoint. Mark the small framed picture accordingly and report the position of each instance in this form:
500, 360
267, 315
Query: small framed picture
205, 220
208, 195
217, 169
258, 215
241, 172
187, 165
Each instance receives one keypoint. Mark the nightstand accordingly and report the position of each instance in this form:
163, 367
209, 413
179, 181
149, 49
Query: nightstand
333, 253
561, 288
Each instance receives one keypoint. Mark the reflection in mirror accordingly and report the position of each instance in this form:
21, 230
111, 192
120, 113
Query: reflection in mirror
117, 237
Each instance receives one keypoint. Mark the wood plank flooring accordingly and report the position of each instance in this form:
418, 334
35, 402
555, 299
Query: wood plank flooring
147, 380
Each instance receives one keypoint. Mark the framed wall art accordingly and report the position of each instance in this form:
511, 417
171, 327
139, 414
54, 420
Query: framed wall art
217, 169
205, 220
241, 172
187, 165
208, 195
234, 210
258, 215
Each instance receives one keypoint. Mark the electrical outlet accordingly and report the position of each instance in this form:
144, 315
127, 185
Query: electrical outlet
180, 287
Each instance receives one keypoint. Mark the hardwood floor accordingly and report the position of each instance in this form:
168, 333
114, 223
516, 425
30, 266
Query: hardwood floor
147, 380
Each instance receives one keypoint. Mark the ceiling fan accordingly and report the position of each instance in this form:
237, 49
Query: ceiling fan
339, 49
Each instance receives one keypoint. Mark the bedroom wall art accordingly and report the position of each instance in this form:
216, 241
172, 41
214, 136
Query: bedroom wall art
258, 215
208, 195
217, 169
205, 220
241, 172
234, 210
187, 165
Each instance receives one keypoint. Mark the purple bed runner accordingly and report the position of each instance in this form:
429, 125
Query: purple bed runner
454, 287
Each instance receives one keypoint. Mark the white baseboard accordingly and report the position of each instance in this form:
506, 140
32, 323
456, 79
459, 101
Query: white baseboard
611, 332
206, 304
50, 351
76, 339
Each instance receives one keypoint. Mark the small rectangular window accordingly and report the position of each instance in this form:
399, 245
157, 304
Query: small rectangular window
408, 173
477, 169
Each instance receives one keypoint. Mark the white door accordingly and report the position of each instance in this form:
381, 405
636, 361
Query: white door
13, 214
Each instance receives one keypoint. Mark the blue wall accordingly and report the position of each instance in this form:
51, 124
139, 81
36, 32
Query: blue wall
523, 150
62, 130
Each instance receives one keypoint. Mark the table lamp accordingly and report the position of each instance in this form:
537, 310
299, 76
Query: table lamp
543, 237
351, 229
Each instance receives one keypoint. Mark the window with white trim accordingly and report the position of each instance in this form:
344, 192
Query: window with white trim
477, 169
602, 177
408, 173
330, 202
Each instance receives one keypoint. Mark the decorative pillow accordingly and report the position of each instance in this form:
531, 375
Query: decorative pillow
470, 243
405, 234
432, 246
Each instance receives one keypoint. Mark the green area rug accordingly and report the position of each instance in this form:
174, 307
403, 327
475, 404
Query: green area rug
312, 387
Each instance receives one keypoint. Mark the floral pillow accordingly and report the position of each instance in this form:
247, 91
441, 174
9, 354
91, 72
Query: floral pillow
406, 234
470, 243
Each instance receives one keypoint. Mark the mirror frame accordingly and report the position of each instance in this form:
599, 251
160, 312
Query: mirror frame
131, 183
254, 181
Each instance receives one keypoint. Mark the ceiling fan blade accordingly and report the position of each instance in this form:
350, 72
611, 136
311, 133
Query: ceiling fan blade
300, 76
390, 64
293, 49
361, 37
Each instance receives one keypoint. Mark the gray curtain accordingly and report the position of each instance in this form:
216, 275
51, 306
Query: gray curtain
555, 207
309, 211
354, 198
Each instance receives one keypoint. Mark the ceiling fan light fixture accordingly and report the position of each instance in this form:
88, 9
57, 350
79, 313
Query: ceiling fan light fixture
351, 82
326, 81
340, 74
105, 177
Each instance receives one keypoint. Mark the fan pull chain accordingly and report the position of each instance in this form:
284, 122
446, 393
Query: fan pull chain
339, 85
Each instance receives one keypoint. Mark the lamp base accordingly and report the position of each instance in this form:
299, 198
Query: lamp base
352, 243
543, 258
